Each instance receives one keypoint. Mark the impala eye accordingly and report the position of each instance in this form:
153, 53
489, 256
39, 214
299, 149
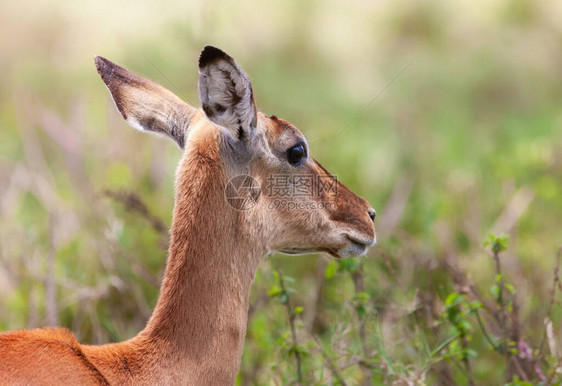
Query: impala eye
296, 154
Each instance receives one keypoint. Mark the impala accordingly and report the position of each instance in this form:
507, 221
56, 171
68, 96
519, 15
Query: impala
196, 333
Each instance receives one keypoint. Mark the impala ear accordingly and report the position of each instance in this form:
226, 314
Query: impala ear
146, 105
226, 93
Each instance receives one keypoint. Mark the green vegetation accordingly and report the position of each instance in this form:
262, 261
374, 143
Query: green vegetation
465, 143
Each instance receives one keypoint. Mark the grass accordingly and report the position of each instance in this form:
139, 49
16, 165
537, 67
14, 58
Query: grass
464, 143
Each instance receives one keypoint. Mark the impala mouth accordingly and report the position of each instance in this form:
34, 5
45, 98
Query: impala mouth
304, 251
365, 242
353, 248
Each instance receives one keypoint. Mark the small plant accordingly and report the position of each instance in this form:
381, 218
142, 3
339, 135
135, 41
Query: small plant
457, 314
282, 292
497, 243
501, 316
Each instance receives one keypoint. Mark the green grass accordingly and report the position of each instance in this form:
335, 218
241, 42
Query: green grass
465, 143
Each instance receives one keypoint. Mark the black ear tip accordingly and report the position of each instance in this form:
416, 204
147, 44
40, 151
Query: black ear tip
211, 54
100, 63
104, 66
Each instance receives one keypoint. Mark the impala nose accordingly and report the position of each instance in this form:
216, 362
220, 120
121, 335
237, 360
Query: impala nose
372, 213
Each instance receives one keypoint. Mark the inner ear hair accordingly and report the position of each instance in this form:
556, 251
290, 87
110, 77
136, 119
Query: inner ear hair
226, 93
144, 104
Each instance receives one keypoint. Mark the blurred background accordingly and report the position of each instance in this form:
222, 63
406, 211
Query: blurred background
452, 129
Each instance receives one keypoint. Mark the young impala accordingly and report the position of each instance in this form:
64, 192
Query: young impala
196, 333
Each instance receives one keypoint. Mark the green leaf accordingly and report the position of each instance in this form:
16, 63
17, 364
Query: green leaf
331, 270
275, 291
497, 243
451, 298
298, 310
298, 349
361, 310
443, 345
349, 264
476, 305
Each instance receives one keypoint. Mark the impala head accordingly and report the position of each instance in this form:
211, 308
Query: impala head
285, 196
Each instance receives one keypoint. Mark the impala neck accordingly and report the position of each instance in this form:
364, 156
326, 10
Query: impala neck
199, 322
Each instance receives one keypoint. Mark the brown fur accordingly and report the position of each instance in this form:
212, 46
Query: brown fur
45, 357
195, 335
